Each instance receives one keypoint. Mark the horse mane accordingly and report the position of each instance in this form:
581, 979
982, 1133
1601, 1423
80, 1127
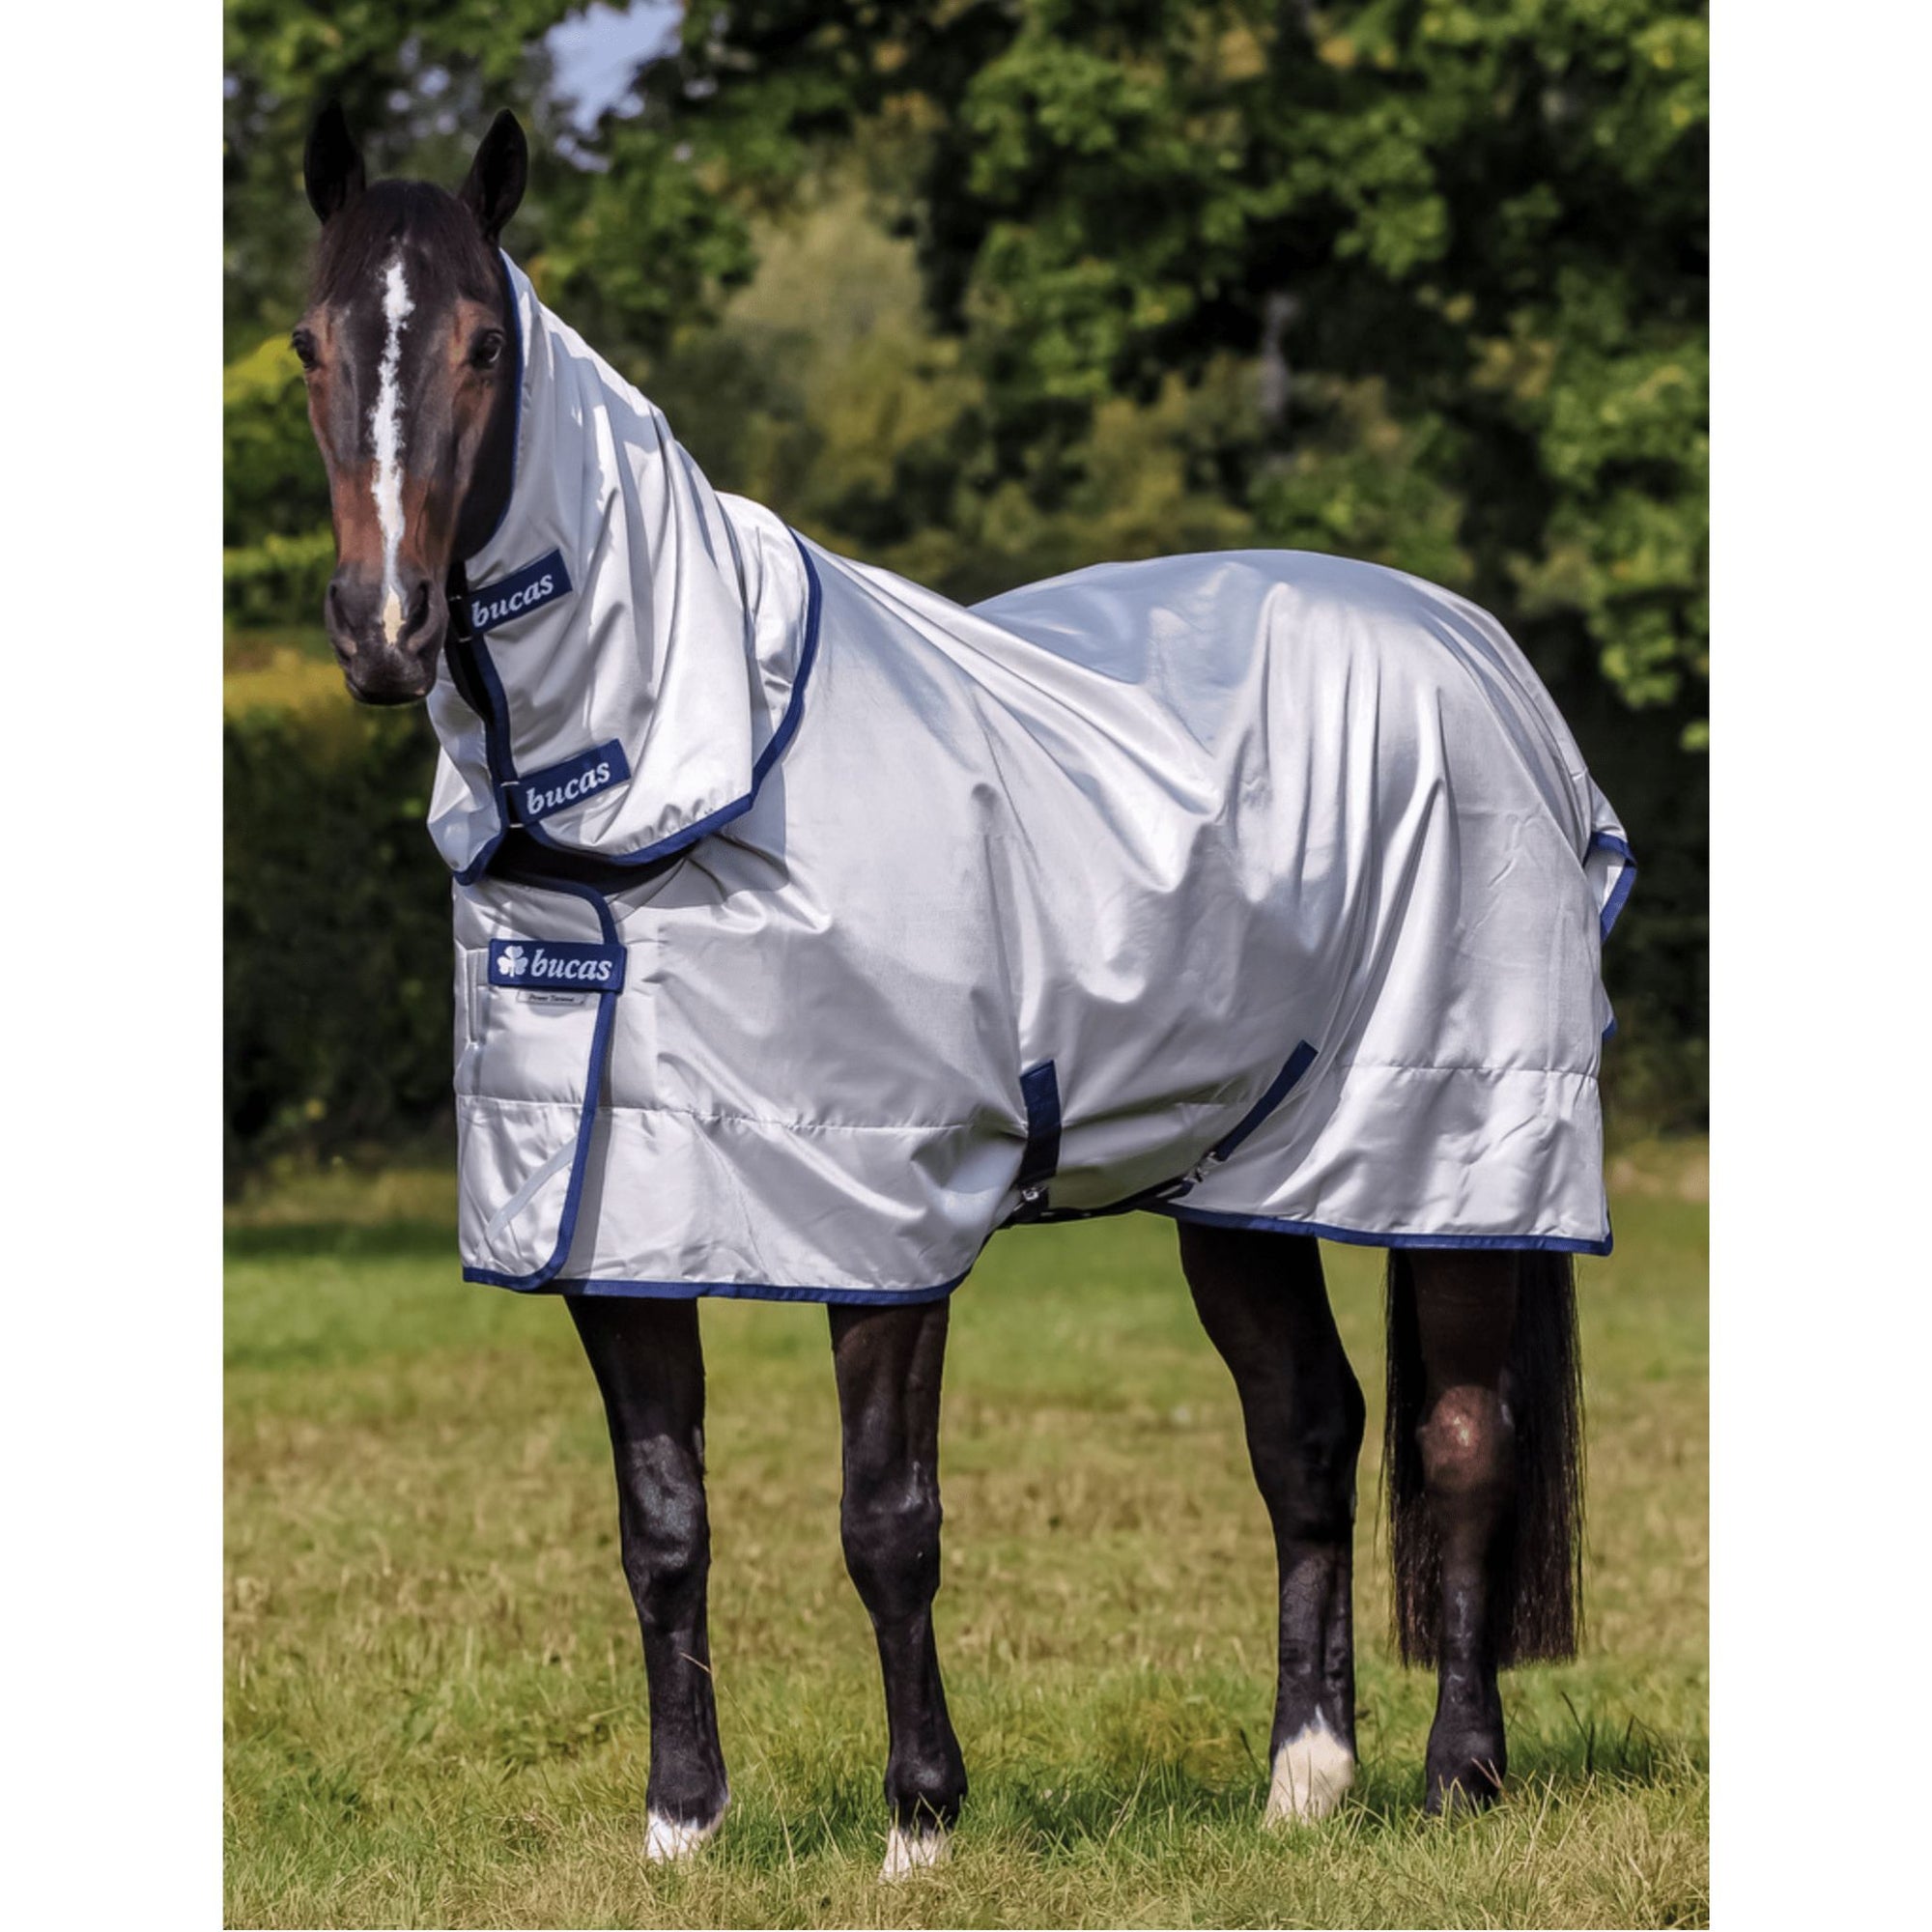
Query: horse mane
355, 245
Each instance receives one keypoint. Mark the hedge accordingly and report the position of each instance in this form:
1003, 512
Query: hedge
336, 926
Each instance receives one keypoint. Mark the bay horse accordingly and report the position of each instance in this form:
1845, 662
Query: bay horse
420, 349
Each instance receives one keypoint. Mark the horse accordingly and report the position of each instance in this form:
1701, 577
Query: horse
450, 408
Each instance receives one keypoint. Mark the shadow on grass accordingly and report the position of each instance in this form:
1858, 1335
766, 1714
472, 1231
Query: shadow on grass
1052, 1811
1598, 1750
304, 1240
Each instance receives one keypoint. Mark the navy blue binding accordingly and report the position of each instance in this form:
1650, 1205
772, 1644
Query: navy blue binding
473, 670
747, 1291
1040, 1162
1555, 1244
1278, 1090
586, 1120
515, 315
1152, 1197
1608, 841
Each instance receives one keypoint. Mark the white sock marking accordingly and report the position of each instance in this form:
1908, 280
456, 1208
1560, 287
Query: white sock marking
665, 1840
908, 1852
385, 424
1311, 1771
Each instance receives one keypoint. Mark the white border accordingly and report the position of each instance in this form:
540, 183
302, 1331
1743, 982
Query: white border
1823, 745
110, 338
1822, 1172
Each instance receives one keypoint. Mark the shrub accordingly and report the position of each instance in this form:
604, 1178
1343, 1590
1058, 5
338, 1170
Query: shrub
336, 926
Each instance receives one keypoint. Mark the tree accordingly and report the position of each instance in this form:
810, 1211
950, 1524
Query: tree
1465, 245
416, 92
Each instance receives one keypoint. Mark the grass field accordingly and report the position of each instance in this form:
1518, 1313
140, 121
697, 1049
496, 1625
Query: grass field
435, 1698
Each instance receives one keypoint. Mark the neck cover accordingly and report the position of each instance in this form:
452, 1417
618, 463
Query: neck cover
635, 638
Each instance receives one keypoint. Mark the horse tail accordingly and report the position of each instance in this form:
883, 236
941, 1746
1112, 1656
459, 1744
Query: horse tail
1538, 1596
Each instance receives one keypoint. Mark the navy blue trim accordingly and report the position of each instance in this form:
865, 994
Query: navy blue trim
1039, 1089
1608, 841
461, 648
1278, 1090
586, 1120
1558, 1244
522, 377
726, 1291
503, 773
484, 695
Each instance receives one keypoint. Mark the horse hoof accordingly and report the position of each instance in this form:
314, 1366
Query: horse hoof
1311, 1772
917, 1850
666, 1840
1471, 1787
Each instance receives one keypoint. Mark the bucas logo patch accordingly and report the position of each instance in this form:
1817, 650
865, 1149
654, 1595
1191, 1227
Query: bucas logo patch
567, 963
572, 781
519, 593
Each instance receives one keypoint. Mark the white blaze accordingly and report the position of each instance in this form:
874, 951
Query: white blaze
385, 423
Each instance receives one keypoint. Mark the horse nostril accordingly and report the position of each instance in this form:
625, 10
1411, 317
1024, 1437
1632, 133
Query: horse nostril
418, 611
335, 616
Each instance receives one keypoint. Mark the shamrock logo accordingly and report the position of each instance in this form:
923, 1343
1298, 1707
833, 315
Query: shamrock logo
512, 962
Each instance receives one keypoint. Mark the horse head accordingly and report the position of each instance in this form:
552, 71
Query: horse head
409, 350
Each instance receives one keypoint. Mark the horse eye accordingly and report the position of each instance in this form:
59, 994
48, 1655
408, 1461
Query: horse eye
303, 344
488, 348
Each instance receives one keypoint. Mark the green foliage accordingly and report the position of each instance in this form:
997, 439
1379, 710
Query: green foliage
262, 583
1495, 217
278, 550
823, 388
335, 927
418, 91
271, 478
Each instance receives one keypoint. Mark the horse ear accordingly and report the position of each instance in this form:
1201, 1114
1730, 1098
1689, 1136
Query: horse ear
497, 175
332, 164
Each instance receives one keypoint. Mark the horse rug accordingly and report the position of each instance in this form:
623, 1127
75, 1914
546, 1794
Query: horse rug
811, 928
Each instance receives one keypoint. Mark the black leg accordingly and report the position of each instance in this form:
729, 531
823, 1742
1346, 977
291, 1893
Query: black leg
889, 1362
1265, 1305
1465, 1306
650, 1368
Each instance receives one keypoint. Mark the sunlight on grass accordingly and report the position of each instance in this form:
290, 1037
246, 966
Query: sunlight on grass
435, 1710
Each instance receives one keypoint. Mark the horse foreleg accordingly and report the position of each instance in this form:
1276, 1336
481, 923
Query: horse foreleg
889, 1362
1265, 1305
1465, 1309
650, 1368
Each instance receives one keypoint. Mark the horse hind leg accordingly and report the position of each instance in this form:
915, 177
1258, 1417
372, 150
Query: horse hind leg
887, 1363
650, 1368
1484, 1457
1262, 1298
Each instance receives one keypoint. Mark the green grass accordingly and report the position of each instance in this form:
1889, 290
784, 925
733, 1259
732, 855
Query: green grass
435, 1699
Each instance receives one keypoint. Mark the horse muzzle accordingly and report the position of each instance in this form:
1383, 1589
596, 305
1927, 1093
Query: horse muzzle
386, 637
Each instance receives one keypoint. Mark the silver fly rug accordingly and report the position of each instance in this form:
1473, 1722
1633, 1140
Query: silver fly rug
1261, 888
